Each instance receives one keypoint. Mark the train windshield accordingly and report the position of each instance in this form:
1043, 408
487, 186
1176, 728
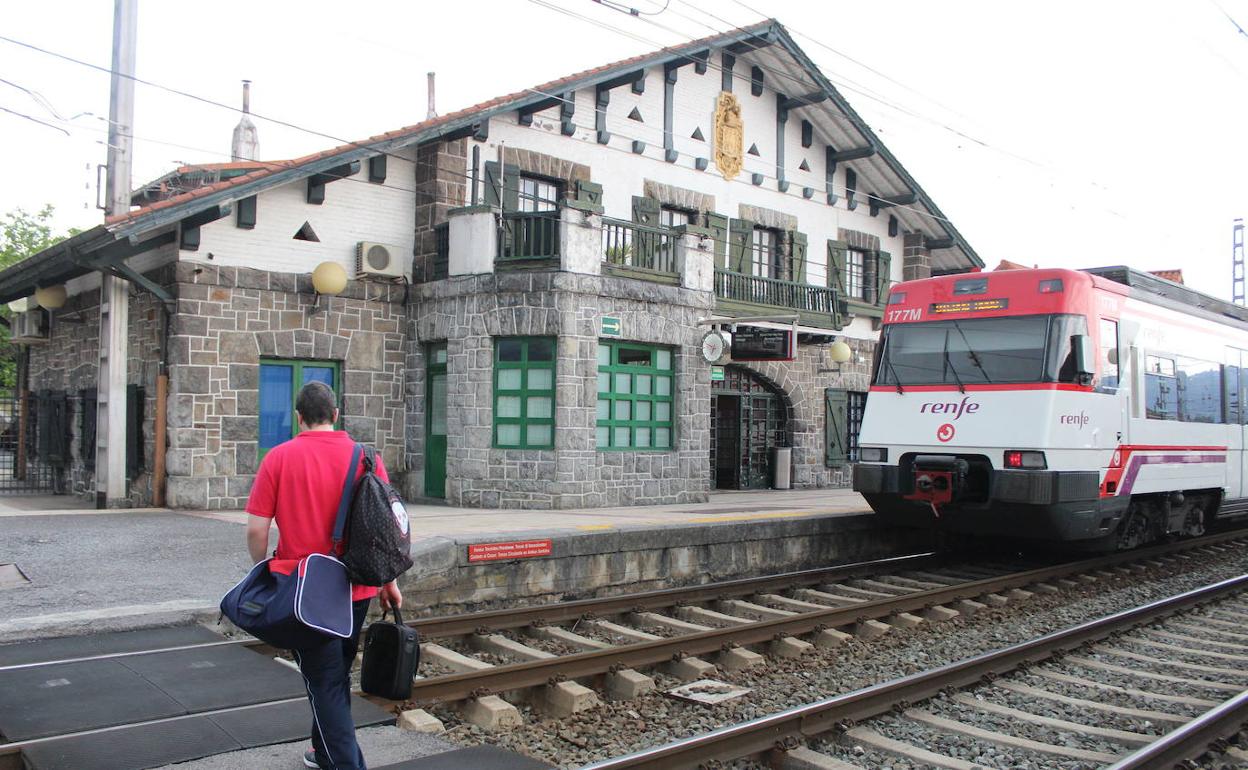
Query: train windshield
1013, 349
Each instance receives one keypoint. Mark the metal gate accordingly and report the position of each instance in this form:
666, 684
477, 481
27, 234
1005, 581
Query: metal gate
748, 418
34, 441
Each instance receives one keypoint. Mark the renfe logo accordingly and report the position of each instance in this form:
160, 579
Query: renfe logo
955, 408
1080, 419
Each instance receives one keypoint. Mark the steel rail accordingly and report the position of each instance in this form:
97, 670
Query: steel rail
498, 679
518, 617
784, 728
1190, 740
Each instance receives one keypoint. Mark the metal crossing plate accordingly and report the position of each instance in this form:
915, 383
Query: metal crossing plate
217, 677
35, 702
278, 723
189, 738
103, 644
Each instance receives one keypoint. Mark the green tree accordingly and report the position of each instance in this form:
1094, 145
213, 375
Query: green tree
21, 235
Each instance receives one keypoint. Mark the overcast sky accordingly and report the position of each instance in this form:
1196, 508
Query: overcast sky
1069, 133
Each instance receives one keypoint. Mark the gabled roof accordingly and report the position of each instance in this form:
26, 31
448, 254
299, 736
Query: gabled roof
1169, 275
881, 174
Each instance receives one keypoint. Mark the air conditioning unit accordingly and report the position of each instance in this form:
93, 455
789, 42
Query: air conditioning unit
378, 259
30, 327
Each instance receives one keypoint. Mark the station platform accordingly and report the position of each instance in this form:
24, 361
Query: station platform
81, 570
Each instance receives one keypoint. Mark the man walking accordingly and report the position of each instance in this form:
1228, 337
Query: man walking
299, 485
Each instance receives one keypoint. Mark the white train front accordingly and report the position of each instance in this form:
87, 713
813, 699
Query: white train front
1102, 407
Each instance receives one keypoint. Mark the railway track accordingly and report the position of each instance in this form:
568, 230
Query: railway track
690, 641
915, 720
559, 657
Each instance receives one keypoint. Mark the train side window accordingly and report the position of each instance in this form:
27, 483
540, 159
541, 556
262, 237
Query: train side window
1110, 368
1161, 388
1200, 390
1231, 410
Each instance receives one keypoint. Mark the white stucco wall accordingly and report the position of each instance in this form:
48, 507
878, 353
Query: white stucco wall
623, 173
354, 210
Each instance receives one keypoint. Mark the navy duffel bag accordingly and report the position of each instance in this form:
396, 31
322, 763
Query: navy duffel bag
294, 611
305, 608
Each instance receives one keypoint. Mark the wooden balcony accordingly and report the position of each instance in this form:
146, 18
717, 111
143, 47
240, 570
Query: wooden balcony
741, 294
636, 251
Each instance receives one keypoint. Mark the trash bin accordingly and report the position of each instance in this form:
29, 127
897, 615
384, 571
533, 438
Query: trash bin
781, 467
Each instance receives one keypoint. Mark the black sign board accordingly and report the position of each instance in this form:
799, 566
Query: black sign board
753, 343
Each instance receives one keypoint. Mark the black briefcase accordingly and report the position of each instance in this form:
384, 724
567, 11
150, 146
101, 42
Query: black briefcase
391, 654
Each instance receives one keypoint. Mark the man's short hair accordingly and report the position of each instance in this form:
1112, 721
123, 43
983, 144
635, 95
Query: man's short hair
316, 404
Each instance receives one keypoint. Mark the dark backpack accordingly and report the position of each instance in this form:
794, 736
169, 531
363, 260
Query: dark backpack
378, 535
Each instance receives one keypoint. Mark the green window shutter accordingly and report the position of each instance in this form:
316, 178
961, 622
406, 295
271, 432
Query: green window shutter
645, 245
836, 267
883, 267
491, 183
797, 255
511, 198
134, 431
718, 224
645, 211
836, 280
740, 241
835, 409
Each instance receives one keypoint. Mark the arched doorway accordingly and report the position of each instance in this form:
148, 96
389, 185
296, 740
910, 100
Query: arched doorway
749, 416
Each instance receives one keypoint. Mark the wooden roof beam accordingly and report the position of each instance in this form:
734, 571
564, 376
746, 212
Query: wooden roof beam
794, 102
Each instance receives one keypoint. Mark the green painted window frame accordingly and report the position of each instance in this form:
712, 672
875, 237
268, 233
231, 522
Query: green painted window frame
296, 384
524, 392
613, 370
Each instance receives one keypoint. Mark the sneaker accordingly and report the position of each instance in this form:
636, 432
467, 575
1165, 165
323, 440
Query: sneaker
309, 759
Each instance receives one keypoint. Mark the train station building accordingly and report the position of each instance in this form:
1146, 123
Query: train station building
529, 303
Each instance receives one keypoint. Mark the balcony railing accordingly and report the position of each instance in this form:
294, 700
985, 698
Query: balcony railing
773, 292
529, 235
628, 244
441, 252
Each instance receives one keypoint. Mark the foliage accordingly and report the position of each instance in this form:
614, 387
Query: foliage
21, 235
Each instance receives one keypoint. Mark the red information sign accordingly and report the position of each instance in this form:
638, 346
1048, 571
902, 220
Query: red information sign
519, 549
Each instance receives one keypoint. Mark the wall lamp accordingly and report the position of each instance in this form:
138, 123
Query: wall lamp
837, 354
329, 279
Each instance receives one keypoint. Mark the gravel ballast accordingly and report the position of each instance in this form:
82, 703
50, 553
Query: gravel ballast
616, 728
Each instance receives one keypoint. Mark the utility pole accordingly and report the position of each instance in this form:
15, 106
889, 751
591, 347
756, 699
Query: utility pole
110, 433
1237, 262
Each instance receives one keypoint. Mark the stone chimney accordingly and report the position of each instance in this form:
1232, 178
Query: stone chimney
432, 113
246, 143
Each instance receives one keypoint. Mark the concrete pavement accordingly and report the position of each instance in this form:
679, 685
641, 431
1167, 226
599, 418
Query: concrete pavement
93, 571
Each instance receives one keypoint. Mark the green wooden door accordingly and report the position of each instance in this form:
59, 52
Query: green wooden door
435, 423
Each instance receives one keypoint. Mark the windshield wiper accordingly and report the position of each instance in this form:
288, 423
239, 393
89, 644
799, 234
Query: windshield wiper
893, 370
970, 352
949, 365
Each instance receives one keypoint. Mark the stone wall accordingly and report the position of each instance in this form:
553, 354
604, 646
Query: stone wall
440, 187
804, 381
468, 313
228, 318
69, 363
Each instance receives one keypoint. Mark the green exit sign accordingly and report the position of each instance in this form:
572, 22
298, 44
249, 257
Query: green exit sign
611, 327
717, 374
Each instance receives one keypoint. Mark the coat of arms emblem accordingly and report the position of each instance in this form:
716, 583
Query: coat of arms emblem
729, 135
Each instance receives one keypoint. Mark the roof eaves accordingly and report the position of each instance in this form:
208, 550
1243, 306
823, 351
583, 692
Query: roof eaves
52, 265
785, 39
165, 213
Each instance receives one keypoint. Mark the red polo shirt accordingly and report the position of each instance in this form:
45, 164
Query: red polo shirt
299, 485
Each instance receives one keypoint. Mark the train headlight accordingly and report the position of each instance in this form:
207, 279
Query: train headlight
1031, 461
873, 454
